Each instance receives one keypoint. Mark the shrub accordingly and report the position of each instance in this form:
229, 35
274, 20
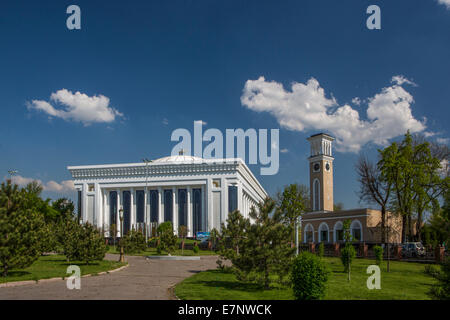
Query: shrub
441, 290
84, 243
195, 249
168, 239
133, 242
309, 277
378, 251
321, 249
431, 270
153, 242
158, 249
348, 253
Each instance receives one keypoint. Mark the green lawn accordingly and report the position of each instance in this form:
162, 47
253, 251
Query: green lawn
152, 252
55, 266
404, 281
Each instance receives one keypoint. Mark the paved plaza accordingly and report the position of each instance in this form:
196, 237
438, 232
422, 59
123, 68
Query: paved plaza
142, 279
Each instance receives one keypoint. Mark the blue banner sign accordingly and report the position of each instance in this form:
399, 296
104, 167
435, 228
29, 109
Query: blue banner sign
201, 235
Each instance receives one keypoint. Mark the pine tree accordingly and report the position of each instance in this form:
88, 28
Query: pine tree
21, 228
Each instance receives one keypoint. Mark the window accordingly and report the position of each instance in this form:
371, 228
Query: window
182, 207
323, 232
91, 188
112, 207
324, 236
309, 234
216, 183
79, 205
340, 235
154, 205
197, 210
232, 199
126, 211
356, 233
316, 195
140, 206
338, 232
168, 214
356, 230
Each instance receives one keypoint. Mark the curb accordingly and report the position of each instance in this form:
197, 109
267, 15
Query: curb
171, 292
30, 282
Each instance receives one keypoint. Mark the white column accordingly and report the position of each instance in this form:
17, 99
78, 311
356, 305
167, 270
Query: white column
240, 199
160, 206
204, 208
119, 202
132, 210
146, 210
189, 211
98, 206
104, 211
84, 203
224, 194
175, 209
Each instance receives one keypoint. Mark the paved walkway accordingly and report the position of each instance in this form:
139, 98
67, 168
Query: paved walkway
142, 279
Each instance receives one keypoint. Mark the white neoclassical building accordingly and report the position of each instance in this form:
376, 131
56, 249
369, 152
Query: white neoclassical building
195, 192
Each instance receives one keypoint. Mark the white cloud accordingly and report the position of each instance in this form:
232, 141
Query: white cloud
77, 107
51, 186
356, 101
428, 134
306, 107
284, 150
402, 80
445, 2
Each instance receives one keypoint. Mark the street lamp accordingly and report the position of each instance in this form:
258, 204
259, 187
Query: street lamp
121, 259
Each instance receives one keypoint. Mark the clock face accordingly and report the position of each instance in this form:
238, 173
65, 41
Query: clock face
327, 166
316, 167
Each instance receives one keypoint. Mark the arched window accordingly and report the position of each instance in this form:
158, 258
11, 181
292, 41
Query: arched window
309, 233
356, 230
338, 232
323, 232
316, 195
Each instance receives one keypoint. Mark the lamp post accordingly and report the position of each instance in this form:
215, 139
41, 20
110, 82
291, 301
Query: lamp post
121, 259
147, 161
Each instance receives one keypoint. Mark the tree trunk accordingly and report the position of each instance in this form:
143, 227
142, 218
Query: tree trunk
348, 273
383, 224
410, 228
5, 270
403, 228
419, 226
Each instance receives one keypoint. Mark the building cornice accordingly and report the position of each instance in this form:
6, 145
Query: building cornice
141, 170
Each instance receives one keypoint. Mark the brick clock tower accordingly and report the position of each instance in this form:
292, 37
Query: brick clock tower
321, 172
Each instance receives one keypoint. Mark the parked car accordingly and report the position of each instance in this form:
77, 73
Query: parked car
413, 249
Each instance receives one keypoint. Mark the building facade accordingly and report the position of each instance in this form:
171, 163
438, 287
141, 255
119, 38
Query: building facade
323, 224
195, 192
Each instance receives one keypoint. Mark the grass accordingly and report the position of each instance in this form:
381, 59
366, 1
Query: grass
55, 266
405, 281
152, 252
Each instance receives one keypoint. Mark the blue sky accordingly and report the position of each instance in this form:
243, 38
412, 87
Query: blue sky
165, 64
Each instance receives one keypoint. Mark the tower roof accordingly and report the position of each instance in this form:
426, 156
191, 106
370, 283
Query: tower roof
325, 135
